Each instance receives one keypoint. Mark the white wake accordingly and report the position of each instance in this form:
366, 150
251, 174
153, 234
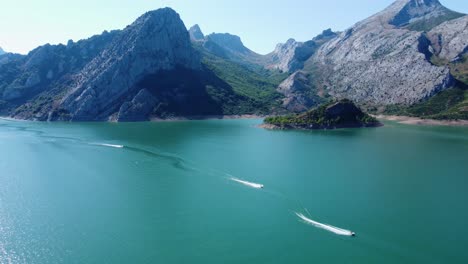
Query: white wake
336, 230
108, 145
250, 184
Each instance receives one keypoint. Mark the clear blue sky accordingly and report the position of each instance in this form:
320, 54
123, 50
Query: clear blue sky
26, 24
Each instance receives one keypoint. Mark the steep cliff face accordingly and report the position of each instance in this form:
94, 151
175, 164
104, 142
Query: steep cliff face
450, 39
283, 57
156, 41
377, 61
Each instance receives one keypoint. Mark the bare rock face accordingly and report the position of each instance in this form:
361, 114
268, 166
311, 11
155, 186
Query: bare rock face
290, 56
295, 90
283, 57
450, 39
414, 11
378, 62
156, 41
22, 77
196, 34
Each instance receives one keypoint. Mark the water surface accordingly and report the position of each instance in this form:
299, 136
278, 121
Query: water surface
162, 193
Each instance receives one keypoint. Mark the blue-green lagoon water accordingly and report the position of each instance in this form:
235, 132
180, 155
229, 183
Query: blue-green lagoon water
162, 193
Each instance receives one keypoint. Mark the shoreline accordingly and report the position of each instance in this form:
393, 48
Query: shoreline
208, 117
275, 127
151, 120
408, 120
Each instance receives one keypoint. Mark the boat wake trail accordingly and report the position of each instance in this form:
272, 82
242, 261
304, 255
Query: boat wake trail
175, 160
108, 145
336, 230
246, 183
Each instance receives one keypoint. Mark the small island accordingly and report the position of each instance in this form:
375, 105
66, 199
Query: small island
338, 114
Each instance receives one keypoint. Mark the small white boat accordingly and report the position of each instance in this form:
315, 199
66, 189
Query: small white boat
250, 184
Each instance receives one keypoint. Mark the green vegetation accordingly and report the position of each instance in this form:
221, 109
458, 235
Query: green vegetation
340, 114
259, 85
449, 104
428, 24
458, 68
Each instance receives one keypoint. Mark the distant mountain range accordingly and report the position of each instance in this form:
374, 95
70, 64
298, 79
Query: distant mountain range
413, 52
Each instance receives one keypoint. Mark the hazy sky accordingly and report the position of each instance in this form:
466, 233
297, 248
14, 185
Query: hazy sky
26, 24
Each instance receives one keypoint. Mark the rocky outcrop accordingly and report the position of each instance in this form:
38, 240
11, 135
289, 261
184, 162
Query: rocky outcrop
450, 39
290, 56
379, 63
196, 34
283, 57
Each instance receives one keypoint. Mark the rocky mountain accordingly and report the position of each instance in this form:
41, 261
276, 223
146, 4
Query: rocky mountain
149, 69
156, 68
382, 60
157, 41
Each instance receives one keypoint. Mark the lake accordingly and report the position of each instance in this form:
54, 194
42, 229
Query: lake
163, 193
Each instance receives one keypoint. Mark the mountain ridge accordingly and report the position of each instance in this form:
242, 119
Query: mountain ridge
156, 67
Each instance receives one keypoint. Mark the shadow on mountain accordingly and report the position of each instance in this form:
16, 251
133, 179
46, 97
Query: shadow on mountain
188, 93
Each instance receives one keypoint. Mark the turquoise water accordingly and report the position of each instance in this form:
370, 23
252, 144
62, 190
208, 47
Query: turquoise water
166, 195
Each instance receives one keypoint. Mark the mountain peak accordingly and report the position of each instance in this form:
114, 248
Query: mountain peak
416, 15
157, 18
413, 10
196, 33
166, 11
229, 41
